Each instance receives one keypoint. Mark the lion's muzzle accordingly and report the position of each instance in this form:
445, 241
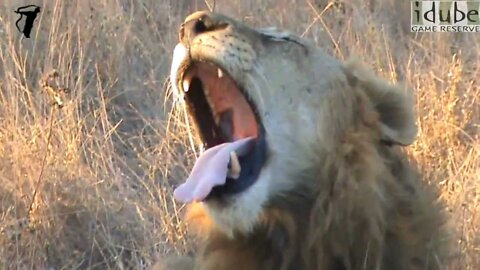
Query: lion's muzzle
225, 118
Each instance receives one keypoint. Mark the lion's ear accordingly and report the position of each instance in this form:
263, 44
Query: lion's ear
394, 104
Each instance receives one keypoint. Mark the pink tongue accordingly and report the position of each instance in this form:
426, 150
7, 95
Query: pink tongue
210, 170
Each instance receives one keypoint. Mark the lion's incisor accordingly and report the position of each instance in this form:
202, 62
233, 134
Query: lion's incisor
336, 191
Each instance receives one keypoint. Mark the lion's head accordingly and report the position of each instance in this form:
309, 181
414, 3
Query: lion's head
281, 104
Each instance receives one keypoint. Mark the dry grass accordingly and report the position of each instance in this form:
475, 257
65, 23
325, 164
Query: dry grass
104, 200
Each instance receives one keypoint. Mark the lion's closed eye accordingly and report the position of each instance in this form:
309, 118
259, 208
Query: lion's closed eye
275, 34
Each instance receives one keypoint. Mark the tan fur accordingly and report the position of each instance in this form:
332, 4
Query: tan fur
337, 191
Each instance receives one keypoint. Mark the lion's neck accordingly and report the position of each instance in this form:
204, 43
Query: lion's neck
278, 242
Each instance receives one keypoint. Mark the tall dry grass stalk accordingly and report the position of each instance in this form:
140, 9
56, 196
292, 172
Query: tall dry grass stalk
104, 201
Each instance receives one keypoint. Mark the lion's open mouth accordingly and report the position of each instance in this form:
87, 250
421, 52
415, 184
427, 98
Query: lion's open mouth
230, 129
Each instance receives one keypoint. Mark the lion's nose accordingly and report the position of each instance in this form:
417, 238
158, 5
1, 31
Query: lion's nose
198, 23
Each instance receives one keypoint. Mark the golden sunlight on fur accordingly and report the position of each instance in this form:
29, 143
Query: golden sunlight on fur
337, 191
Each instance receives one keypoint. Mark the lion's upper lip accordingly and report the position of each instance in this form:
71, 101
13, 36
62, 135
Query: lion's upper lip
222, 112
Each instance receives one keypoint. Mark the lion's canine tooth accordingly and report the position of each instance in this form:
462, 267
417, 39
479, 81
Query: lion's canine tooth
220, 73
234, 170
186, 85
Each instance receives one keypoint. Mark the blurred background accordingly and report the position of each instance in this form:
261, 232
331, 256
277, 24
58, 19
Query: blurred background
88, 185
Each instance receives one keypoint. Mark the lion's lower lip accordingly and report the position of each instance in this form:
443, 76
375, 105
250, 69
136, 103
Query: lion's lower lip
251, 165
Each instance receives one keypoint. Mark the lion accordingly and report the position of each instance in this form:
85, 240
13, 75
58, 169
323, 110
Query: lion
303, 165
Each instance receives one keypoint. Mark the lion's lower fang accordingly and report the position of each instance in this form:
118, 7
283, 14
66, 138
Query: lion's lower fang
235, 168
